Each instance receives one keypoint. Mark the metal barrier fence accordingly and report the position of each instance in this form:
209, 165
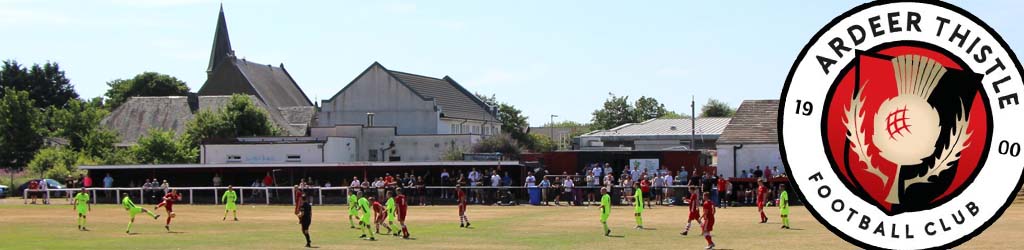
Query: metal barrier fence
429, 195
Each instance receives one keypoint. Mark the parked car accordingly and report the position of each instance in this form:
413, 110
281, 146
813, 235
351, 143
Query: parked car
3, 191
51, 183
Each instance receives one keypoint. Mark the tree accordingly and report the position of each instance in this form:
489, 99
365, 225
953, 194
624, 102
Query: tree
616, 111
21, 132
160, 147
647, 108
56, 163
145, 84
503, 144
45, 84
240, 117
674, 115
542, 143
716, 108
76, 121
513, 122
99, 143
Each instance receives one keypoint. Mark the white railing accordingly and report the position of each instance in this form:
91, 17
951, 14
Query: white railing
46, 196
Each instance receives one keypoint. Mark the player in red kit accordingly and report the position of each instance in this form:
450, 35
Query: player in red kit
378, 215
298, 201
168, 205
709, 220
694, 210
463, 220
762, 191
403, 208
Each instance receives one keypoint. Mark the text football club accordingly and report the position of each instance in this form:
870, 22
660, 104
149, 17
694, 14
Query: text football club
898, 125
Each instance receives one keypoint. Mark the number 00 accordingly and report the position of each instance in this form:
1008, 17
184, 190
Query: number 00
1013, 149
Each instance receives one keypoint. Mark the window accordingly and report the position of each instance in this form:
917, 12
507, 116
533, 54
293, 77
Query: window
455, 129
373, 155
294, 158
234, 158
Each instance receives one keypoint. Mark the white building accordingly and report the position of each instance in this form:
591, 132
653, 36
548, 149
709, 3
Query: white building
658, 134
751, 139
415, 104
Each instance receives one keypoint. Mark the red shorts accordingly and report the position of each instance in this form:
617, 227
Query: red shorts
694, 216
760, 204
379, 218
401, 217
462, 209
708, 226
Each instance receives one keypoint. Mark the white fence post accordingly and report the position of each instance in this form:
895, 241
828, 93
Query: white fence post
266, 191
94, 198
241, 196
320, 192
190, 196
216, 200
142, 195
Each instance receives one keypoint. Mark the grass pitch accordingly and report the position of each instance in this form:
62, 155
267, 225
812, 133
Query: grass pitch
432, 227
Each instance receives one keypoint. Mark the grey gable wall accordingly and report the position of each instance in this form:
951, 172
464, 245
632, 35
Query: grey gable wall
391, 101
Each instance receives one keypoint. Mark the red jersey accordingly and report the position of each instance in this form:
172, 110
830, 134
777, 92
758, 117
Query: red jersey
645, 186
462, 196
721, 186
761, 192
169, 200
402, 206
298, 200
34, 184
268, 181
709, 210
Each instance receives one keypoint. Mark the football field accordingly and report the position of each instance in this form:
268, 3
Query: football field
432, 227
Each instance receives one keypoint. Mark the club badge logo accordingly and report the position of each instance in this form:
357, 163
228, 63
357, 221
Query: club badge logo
898, 125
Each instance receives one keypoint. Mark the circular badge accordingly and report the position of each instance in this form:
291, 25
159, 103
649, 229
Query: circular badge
898, 125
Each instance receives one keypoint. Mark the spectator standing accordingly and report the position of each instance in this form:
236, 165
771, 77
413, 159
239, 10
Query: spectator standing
758, 173
568, 185
767, 173
683, 174
216, 180
45, 186
657, 186
723, 191
474, 180
445, 181
495, 182
544, 186
531, 181
588, 182
87, 181
608, 170
268, 180
667, 180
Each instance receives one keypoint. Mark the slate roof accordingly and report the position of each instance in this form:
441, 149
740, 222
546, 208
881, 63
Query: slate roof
138, 115
273, 84
289, 128
705, 126
755, 122
455, 101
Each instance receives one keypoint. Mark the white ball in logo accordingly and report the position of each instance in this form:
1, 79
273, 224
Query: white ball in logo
906, 129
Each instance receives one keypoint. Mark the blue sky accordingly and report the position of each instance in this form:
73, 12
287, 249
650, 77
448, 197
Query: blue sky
545, 57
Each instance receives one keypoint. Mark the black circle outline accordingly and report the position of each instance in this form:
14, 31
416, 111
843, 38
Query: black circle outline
785, 90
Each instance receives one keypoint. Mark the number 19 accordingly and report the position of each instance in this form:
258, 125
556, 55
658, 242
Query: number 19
804, 108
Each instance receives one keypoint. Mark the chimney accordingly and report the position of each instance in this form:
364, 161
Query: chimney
369, 119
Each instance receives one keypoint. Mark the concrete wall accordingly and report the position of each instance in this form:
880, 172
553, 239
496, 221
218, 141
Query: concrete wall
340, 149
262, 153
431, 147
393, 104
458, 126
750, 156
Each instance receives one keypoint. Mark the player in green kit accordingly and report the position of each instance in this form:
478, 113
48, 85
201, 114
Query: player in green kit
81, 204
353, 209
365, 216
638, 205
784, 206
606, 210
229, 199
134, 210
389, 207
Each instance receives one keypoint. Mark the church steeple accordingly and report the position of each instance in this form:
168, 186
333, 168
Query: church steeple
221, 43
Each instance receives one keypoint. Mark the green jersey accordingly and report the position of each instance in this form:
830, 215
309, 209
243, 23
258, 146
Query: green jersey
127, 203
81, 199
364, 209
389, 206
606, 205
784, 202
229, 197
352, 202
638, 200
